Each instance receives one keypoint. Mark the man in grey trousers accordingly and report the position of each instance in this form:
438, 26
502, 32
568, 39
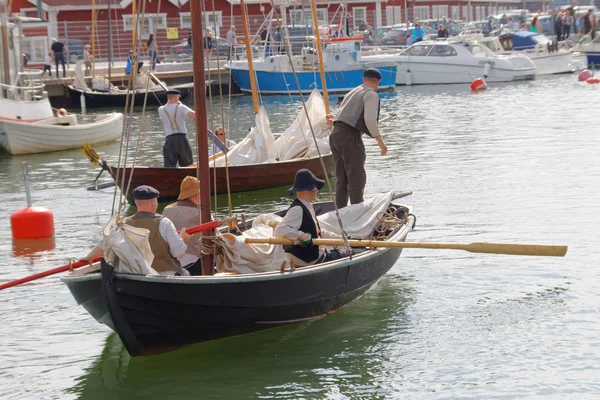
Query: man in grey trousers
358, 114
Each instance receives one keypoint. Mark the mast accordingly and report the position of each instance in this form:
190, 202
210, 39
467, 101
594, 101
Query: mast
201, 131
4, 37
93, 37
110, 43
313, 5
249, 56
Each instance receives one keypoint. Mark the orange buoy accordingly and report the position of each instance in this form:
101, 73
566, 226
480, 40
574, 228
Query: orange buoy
27, 247
32, 223
584, 75
593, 80
479, 84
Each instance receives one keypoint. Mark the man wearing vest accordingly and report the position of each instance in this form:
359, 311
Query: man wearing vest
185, 213
358, 114
300, 223
166, 244
177, 147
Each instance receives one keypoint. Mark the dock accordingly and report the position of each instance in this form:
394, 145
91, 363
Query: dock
172, 73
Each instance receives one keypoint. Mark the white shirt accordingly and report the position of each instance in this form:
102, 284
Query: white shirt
48, 60
174, 123
289, 228
167, 231
215, 150
231, 38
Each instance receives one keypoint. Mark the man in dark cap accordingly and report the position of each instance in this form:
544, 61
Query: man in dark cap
177, 146
358, 114
166, 244
300, 223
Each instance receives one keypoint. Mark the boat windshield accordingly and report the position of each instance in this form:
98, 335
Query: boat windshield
479, 51
442, 51
419, 50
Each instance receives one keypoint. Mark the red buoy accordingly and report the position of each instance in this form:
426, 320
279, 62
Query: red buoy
593, 80
584, 75
478, 84
32, 223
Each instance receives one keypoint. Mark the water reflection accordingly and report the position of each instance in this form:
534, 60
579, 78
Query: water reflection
340, 353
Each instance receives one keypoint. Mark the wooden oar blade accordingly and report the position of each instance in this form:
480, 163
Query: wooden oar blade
518, 249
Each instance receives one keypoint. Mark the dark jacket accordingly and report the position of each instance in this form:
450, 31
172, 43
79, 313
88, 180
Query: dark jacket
307, 254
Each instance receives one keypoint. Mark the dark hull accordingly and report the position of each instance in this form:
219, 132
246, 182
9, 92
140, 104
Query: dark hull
241, 178
104, 100
156, 315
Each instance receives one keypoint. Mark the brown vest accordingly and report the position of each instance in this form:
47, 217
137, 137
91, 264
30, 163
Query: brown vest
185, 214
163, 260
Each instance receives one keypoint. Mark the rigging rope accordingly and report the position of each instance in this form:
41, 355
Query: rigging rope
337, 212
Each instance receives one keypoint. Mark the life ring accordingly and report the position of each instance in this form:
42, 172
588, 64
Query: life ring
61, 112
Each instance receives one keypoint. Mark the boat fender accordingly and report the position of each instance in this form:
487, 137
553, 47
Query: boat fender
584, 75
61, 112
593, 80
478, 84
486, 70
408, 78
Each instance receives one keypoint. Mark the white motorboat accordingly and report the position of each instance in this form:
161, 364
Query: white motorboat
439, 62
548, 57
27, 124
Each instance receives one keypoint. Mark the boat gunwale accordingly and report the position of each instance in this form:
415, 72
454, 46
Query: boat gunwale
107, 118
402, 232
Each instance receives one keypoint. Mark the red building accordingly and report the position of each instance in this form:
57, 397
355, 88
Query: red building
71, 20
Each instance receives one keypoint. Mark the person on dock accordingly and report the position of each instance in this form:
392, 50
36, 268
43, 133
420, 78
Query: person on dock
220, 134
231, 41
418, 33
152, 51
207, 44
131, 58
168, 246
87, 59
59, 51
589, 24
442, 32
300, 223
185, 212
358, 113
48, 64
177, 146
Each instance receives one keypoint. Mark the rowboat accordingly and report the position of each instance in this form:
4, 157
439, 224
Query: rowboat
154, 314
118, 98
242, 178
58, 133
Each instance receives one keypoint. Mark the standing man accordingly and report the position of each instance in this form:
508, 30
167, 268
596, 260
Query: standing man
358, 114
231, 41
59, 51
177, 147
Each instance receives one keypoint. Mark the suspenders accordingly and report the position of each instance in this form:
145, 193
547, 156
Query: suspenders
173, 120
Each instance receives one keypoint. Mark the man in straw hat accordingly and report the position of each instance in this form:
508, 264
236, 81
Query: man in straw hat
300, 223
166, 244
358, 114
177, 146
185, 213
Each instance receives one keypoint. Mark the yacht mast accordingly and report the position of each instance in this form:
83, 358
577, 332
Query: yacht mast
201, 131
313, 5
249, 56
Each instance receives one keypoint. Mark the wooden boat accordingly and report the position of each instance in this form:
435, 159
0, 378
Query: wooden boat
153, 314
157, 97
242, 178
59, 133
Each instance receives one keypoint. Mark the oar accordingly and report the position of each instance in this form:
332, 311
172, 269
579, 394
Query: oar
200, 228
478, 247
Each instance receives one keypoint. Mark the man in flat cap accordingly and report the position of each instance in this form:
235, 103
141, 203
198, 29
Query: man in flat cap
358, 114
185, 212
177, 146
300, 223
166, 244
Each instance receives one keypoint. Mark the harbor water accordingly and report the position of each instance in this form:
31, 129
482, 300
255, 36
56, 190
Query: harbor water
517, 163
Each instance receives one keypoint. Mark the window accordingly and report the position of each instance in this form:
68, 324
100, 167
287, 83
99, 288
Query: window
304, 16
150, 23
36, 47
185, 20
360, 15
438, 12
442, 51
479, 11
465, 12
392, 15
418, 50
421, 13
455, 13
